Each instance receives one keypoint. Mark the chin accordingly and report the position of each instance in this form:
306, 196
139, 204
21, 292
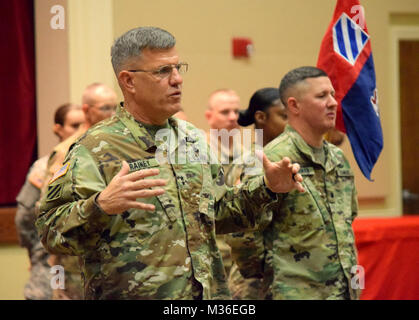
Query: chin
175, 108
331, 124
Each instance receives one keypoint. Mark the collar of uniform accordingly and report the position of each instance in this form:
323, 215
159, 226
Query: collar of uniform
143, 137
304, 148
140, 133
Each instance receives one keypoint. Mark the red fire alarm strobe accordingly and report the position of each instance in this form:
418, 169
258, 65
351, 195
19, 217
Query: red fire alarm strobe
242, 47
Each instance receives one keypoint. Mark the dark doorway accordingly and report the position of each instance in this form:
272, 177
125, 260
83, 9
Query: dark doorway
409, 117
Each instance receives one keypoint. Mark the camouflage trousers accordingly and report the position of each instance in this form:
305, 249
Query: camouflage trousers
73, 289
245, 289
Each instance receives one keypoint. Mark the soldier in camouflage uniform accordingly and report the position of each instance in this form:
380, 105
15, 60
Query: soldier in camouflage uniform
310, 241
268, 114
67, 118
38, 287
222, 114
98, 103
162, 247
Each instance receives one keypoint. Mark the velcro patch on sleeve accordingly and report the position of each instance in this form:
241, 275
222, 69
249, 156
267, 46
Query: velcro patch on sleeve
36, 178
60, 172
54, 192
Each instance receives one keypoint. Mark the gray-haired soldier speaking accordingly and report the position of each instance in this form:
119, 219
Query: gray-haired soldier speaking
162, 247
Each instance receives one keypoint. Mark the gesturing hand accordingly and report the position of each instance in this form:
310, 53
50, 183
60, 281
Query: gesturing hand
282, 176
125, 188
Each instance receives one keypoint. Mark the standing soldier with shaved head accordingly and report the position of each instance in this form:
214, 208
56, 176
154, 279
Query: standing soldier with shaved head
222, 114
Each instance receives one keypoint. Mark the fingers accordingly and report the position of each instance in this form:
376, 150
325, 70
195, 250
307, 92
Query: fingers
142, 206
300, 187
141, 174
265, 160
295, 168
145, 193
148, 183
298, 177
124, 170
285, 162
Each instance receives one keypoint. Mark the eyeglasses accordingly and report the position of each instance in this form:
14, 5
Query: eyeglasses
165, 71
107, 108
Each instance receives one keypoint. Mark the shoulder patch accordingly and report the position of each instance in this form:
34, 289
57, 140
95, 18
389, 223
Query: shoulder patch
54, 192
60, 173
36, 178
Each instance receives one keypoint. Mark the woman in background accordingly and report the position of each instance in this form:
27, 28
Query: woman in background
267, 113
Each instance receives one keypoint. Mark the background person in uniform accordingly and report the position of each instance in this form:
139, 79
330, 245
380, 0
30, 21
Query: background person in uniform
67, 119
162, 247
222, 113
98, 103
267, 113
310, 239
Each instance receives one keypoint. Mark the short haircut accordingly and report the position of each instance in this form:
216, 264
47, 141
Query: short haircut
296, 76
131, 43
88, 95
62, 111
218, 91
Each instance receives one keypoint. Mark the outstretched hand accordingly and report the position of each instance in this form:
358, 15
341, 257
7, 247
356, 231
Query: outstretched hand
125, 188
282, 176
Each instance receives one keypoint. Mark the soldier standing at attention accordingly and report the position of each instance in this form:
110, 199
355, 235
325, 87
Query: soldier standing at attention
310, 238
222, 114
67, 119
162, 247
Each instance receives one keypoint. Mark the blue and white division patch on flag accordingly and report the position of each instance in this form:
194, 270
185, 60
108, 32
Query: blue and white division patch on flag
348, 38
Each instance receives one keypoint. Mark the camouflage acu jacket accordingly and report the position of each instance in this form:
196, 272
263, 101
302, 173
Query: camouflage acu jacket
310, 240
167, 254
38, 286
73, 286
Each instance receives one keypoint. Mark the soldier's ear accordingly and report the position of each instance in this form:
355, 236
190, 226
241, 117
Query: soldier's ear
260, 117
57, 129
292, 105
208, 114
126, 81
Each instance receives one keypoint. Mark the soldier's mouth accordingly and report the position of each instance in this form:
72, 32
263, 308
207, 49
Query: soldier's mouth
175, 94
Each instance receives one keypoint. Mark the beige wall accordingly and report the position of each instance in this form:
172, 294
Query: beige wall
90, 32
52, 71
